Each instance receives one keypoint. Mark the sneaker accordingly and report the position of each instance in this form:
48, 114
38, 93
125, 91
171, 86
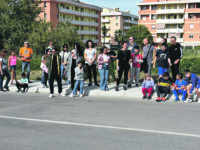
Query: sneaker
137, 85
81, 95
183, 99
6, 87
144, 97
71, 95
158, 99
133, 81
163, 98
60, 94
51, 96
129, 85
189, 100
19, 90
176, 99
149, 97
42, 86
90, 84
30, 82
116, 88
124, 87
97, 84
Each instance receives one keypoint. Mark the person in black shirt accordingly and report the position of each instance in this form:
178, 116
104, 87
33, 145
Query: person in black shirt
123, 60
175, 54
54, 72
113, 57
163, 60
163, 87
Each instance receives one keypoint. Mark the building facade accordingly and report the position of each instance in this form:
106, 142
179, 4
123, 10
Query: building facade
86, 18
166, 18
114, 19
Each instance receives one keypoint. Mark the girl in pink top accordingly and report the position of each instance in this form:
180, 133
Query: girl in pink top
12, 62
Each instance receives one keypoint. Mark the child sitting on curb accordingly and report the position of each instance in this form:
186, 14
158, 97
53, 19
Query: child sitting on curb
180, 87
147, 86
163, 87
23, 83
192, 82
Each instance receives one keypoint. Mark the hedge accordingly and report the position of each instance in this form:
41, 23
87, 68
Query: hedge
191, 63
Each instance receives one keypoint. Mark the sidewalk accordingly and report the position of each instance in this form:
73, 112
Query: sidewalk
133, 92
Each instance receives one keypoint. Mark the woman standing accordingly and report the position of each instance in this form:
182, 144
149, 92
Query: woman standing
90, 56
4, 70
103, 66
73, 60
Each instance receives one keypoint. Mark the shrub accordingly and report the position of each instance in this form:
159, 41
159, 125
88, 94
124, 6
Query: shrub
191, 63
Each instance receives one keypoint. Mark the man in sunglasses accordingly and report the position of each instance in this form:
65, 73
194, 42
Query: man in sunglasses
26, 53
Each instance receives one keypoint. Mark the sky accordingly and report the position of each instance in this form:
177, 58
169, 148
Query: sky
124, 5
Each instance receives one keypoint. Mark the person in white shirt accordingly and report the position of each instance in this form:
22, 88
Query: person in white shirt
90, 57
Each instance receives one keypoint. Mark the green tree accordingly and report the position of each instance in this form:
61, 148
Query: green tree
139, 32
104, 32
119, 36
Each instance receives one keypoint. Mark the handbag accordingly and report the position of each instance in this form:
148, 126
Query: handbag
144, 64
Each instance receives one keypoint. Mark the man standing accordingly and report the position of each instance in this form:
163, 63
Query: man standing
54, 72
26, 53
148, 51
175, 54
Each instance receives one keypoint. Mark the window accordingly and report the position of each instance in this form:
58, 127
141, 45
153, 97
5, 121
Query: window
162, 17
116, 17
169, 7
144, 8
154, 7
45, 16
191, 26
168, 16
153, 17
163, 7
175, 6
153, 27
181, 16
191, 5
45, 4
116, 24
191, 16
153, 35
175, 16
191, 36
144, 18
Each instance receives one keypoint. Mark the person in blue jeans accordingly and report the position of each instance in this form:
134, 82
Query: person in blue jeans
79, 77
4, 70
179, 87
162, 59
103, 67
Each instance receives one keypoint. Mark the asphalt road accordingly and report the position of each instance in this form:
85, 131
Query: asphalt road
35, 122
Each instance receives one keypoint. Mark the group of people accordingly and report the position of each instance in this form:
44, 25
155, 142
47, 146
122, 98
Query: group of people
130, 61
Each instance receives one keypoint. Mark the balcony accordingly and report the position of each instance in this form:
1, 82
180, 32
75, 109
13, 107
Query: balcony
78, 13
180, 40
127, 27
95, 41
80, 22
130, 21
80, 32
105, 20
170, 21
170, 11
170, 30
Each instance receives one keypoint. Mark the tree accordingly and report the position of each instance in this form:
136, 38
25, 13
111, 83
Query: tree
119, 36
104, 32
139, 32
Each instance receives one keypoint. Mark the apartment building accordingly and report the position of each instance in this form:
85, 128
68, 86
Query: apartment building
114, 19
166, 18
86, 18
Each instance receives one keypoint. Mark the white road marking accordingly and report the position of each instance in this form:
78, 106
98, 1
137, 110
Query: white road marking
100, 126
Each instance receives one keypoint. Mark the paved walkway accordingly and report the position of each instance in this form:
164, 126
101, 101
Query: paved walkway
133, 92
